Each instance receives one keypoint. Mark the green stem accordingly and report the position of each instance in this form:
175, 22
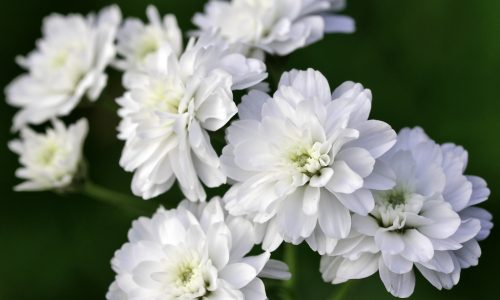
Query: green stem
290, 258
342, 292
123, 201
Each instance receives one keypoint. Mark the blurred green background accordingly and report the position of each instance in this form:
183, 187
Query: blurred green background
433, 63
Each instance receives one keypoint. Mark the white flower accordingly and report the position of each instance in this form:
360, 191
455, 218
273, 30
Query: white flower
137, 41
302, 161
275, 26
192, 252
427, 220
50, 160
69, 62
168, 110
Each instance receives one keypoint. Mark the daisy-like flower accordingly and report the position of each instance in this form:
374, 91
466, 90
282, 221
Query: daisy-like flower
428, 220
69, 62
303, 159
192, 252
138, 41
51, 160
168, 110
274, 26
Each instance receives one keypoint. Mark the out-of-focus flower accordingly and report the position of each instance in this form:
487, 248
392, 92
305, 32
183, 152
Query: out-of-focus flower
51, 160
428, 220
168, 110
138, 41
303, 159
68, 63
192, 252
274, 26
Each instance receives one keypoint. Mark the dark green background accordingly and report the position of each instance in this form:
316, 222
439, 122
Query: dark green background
431, 63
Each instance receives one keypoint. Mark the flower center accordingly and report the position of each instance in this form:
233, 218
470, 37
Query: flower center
309, 161
59, 60
147, 46
396, 197
390, 208
397, 209
165, 96
186, 274
47, 154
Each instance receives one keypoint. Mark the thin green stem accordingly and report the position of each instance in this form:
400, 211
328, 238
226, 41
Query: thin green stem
342, 291
123, 201
290, 258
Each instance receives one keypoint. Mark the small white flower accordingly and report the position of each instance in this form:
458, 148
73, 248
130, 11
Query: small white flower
275, 26
192, 252
427, 220
168, 110
69, 62
138, 41
302, 161
50, 160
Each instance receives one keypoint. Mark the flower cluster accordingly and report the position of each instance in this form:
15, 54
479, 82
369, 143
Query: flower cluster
304, 159
427, 220
51, 160
303, 164
136, 42
273, 26
69, 63
192, 252
168, 109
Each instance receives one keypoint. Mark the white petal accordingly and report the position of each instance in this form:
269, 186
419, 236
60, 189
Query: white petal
311, 200
382, 177
339, 24
483, 216
399, 285
344, 179
480, 191
339, 269
275, 269
440, 280
312, 84
442, 261
358, 159
334, 218
251, 105
375, 136
293, 222
243, 237
255, 290
365, 224
469, 254
390, 242
445, 220
418, 248
219, 244
212, 213
272, 238
238, 275
360, 202
397, 264
320, 243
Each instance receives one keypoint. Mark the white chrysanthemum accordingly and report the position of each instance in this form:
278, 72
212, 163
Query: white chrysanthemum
168, 110
427, 220
275, 26
138, 41
69, 62
192, 252
50, 160
302, 161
